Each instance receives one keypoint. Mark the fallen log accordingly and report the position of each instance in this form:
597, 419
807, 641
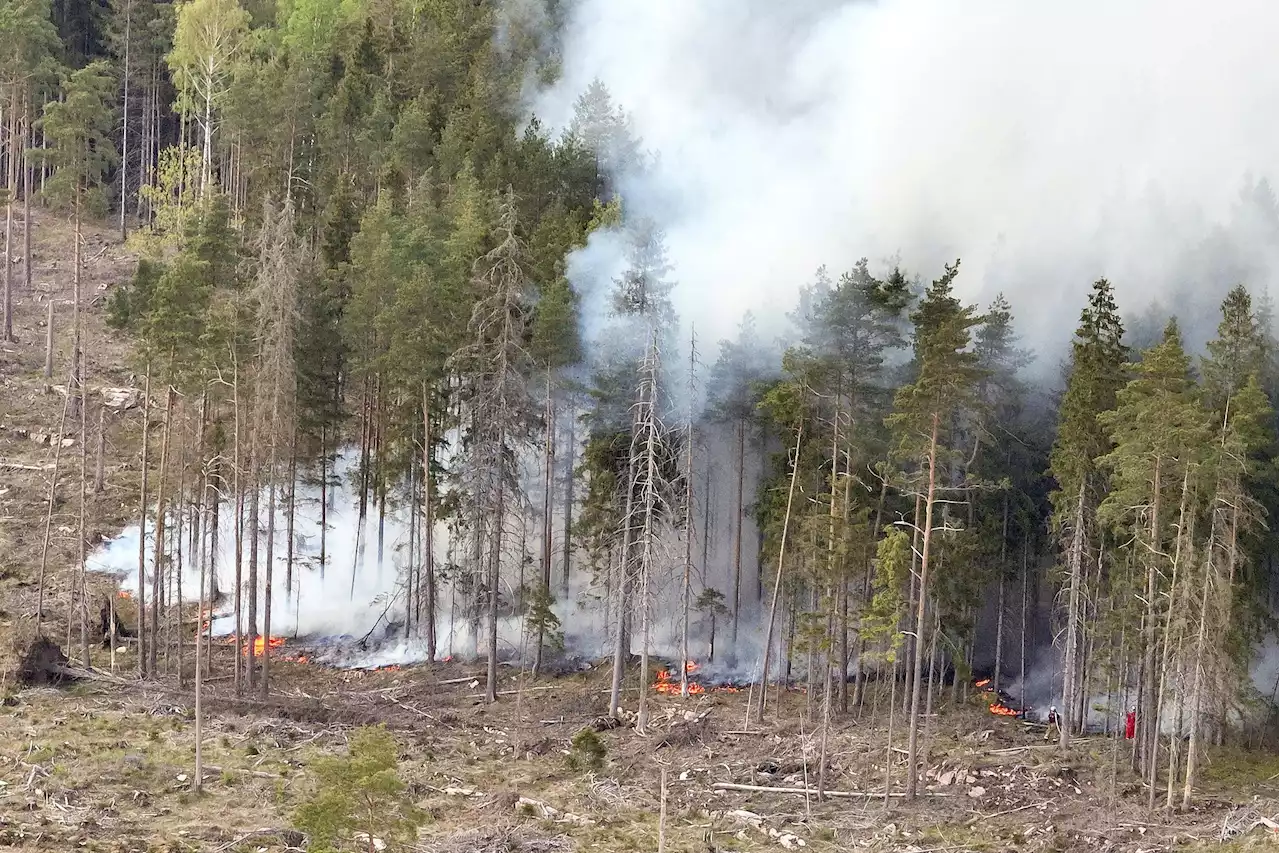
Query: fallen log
260, 774
19, 466
769, 789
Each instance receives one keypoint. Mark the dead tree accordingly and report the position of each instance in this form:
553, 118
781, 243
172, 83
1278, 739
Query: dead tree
275, 297
494, 369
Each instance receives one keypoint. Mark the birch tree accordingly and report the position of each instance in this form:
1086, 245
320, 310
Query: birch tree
206, 39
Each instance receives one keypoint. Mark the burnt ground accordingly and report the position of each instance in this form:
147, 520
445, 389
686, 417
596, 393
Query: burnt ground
105, 764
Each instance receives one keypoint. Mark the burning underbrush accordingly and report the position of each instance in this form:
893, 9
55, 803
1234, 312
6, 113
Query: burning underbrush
669, 682
999, 702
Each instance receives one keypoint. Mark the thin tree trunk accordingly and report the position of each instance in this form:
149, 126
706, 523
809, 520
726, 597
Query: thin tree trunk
548, 462
48, 346
777, 583
142, 529
12, 187
124, 132
82, 536
1004, 542
1197, 678
923, 595
48, 517
1070, 664
255, 486
737, 539
570, 450
99, 471
77, 377
428, 526
28, 134
157, 570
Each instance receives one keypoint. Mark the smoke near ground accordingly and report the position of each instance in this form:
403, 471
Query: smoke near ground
1046, 146
361, 593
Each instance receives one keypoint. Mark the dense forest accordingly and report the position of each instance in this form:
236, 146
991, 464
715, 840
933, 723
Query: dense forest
354, 247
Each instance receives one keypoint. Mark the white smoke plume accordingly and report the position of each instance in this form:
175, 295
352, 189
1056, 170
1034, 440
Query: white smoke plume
1045, 145
361, 595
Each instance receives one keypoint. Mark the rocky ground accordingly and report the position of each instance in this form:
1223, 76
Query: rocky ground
106, 764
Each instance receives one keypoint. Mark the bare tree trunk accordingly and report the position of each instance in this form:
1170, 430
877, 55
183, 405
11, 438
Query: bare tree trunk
267, 572
142, 529
570, 448
1069, 666
912, 599
1197, 678
758, 713
48, 517
99, 471
923, 595
82, 535
124, 133
491, 674
255, 483
28, 135
76, 385
548, 462
157, 570
737, 539
48, 345
428, 525
238, 488
1004, 541
12, 187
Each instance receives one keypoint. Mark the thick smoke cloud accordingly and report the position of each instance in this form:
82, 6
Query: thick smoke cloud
1045, 145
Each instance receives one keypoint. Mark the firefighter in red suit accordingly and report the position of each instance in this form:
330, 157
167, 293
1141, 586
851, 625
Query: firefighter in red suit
1130, 723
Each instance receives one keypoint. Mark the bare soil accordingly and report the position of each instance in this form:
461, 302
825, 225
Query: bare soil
106, 764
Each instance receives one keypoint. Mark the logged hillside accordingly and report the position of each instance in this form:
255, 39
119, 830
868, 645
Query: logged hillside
617, 427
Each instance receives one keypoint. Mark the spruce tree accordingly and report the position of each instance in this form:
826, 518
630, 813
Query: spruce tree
1096, 374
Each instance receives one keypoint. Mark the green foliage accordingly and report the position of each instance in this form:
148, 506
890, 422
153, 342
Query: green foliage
879, 623
1098, 357
541, 620
78, 133
946, 373
587, 751
359, 793
172, 200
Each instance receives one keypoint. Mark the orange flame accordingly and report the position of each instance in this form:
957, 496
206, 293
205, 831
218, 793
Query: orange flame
124, 593
261, 644
670, 684
1003, 710
983, 683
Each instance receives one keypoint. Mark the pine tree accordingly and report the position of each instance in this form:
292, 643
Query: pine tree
946, 377
78, 131
28, 45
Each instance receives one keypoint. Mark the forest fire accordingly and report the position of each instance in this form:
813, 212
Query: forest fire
669, 683
998, 699
125, 594
261, 644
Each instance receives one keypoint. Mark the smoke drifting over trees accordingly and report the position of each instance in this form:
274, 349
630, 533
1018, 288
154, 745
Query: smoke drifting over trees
1046, 146
420, 287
